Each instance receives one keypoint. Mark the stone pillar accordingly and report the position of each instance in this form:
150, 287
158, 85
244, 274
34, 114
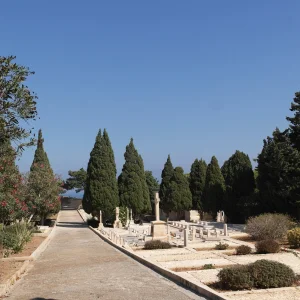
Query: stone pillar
186, 237
157, 200
100, 220
127, 217
225, 230
131, 219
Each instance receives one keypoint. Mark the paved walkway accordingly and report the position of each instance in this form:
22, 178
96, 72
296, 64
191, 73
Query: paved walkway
77, 264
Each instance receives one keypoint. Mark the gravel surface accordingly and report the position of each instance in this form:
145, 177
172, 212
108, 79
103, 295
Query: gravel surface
77, 264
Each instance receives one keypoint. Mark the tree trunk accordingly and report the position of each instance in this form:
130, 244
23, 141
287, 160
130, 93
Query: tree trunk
42, 220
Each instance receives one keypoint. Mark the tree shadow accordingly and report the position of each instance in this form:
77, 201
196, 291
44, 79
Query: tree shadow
40, 298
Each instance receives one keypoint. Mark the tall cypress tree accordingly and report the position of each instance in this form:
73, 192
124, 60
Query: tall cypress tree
179, 193
164, 189
214, 188
239, 180
197, 182
295, 122
43, 188
133, 189
107, 187
91, 195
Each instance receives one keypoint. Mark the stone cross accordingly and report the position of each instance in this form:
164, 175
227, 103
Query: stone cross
157, 200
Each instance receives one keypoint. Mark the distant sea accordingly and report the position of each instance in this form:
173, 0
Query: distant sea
73, 194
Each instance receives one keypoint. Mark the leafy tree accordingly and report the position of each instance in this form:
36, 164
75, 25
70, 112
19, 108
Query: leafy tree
164, 189
12, 204
214, 188
197, 182
42, 186
295, 122
133, 189
77, 180
278, 179
180, 194
153, 186
17, 102
239, 180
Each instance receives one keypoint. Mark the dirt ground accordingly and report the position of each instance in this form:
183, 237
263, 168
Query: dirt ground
8, 269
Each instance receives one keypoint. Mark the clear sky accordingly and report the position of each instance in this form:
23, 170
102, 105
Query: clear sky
187, 78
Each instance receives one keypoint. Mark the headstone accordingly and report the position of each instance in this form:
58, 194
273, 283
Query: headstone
117, 223
186, 237
225, 230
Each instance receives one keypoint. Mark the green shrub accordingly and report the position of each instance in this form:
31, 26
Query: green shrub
267, 246
221, 246
243, 250
271, 274
269, 226
208, 267
262, 274
14, 237
294, 237
93, 222
156, 244
235, 278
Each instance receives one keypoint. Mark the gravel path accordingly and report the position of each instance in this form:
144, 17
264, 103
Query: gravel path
77, 264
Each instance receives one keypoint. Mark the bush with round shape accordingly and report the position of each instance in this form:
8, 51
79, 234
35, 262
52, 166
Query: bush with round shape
156, 244
294, 237
269, 226
235, 278
271, 274
243, 250
267, 246
221, 246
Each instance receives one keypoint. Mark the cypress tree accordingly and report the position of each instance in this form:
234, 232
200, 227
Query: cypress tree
133, 189
107, 197
239, 180
197, 182
278, 178
179, 193
164, 189
90, 197
295, 122
153, 185
214, 188
43, 188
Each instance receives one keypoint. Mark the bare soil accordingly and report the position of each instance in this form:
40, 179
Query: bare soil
8, 269
187, 269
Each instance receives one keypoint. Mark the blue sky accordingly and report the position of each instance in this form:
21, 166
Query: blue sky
190, 78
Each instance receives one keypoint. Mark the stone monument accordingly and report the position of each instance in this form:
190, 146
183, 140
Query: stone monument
117, 223
158, 227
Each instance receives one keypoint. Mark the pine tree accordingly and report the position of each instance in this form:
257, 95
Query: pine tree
164, 189
133, 189
90, 196
42, 186
239, 180
214, 188
295, 122
197, 182
179, 193
278, 178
